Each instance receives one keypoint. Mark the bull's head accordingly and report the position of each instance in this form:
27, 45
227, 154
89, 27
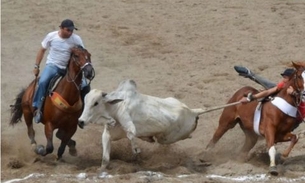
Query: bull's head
96, 103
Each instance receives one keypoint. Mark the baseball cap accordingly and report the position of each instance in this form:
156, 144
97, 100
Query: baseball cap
288, 72
68, 24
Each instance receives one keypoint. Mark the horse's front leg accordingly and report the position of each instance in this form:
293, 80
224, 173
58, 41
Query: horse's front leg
66, 140
271, 151
293, 140
71, 144
48, 129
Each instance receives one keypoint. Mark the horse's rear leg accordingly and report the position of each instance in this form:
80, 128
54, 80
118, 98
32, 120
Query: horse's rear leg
293, 140
227, 121
48, 130
250, 141
28, 117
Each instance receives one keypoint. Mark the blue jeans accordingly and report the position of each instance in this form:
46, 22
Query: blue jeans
47, 74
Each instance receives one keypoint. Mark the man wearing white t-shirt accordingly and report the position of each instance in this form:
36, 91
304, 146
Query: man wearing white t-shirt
59, 44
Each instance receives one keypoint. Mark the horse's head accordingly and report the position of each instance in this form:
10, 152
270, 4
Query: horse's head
82, 59
299, 76
297, 80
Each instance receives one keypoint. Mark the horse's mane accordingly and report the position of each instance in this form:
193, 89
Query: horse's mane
80, 47
298, 63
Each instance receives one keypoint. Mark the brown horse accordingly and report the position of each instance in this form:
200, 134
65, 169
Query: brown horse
275, 125
62, 107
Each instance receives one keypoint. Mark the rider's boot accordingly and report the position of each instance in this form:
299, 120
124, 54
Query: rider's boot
245, 72
37, 116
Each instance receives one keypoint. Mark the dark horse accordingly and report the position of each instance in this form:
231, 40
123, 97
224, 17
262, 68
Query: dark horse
275, 125
62, 107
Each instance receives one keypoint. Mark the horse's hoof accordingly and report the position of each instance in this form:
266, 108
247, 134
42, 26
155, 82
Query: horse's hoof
40, 150
210, 146
73, 152
60, 160
36, 160
273, 170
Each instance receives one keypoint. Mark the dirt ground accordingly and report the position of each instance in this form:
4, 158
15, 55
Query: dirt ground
180, 48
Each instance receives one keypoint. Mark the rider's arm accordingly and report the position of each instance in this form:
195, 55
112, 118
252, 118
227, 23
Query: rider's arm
265, 93
270, 91
39, 56
259, 95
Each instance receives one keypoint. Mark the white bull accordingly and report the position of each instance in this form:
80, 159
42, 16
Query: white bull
137, 115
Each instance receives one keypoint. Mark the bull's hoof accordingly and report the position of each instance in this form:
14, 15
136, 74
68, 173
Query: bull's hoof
273, 170
103, 175
40, 150
136, 151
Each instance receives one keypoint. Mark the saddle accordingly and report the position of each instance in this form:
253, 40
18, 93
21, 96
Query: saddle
245, 72
59, 101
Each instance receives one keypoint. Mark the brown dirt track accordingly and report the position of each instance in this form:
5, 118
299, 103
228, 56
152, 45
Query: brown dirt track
180, 48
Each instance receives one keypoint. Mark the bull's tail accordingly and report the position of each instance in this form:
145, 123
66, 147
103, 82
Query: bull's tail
16, 109
200, 111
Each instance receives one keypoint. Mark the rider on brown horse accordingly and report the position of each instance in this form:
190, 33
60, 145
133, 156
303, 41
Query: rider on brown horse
272, 119
59, 44
271, 88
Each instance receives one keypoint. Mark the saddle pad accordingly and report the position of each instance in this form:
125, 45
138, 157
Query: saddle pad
62, 104
257, 118
53, 83
284, 106
281, 104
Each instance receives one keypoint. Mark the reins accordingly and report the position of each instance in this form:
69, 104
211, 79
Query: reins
69, 78
73, 79
299, 96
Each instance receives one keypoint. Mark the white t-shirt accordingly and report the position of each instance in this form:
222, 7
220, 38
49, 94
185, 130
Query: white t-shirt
60, 49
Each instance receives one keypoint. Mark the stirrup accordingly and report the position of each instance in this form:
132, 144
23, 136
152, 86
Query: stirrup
37, 116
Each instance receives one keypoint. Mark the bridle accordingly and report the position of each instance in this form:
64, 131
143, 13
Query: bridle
75, 59
300, 93
298, 88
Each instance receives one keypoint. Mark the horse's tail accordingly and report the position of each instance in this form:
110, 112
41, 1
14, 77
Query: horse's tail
16, 109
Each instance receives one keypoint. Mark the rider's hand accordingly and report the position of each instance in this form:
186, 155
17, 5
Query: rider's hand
244, 100
247, 98
36, 70
290, 90
250, 97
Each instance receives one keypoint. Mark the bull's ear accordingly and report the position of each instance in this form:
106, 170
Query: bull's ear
104, 94
111, 98
114, 101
